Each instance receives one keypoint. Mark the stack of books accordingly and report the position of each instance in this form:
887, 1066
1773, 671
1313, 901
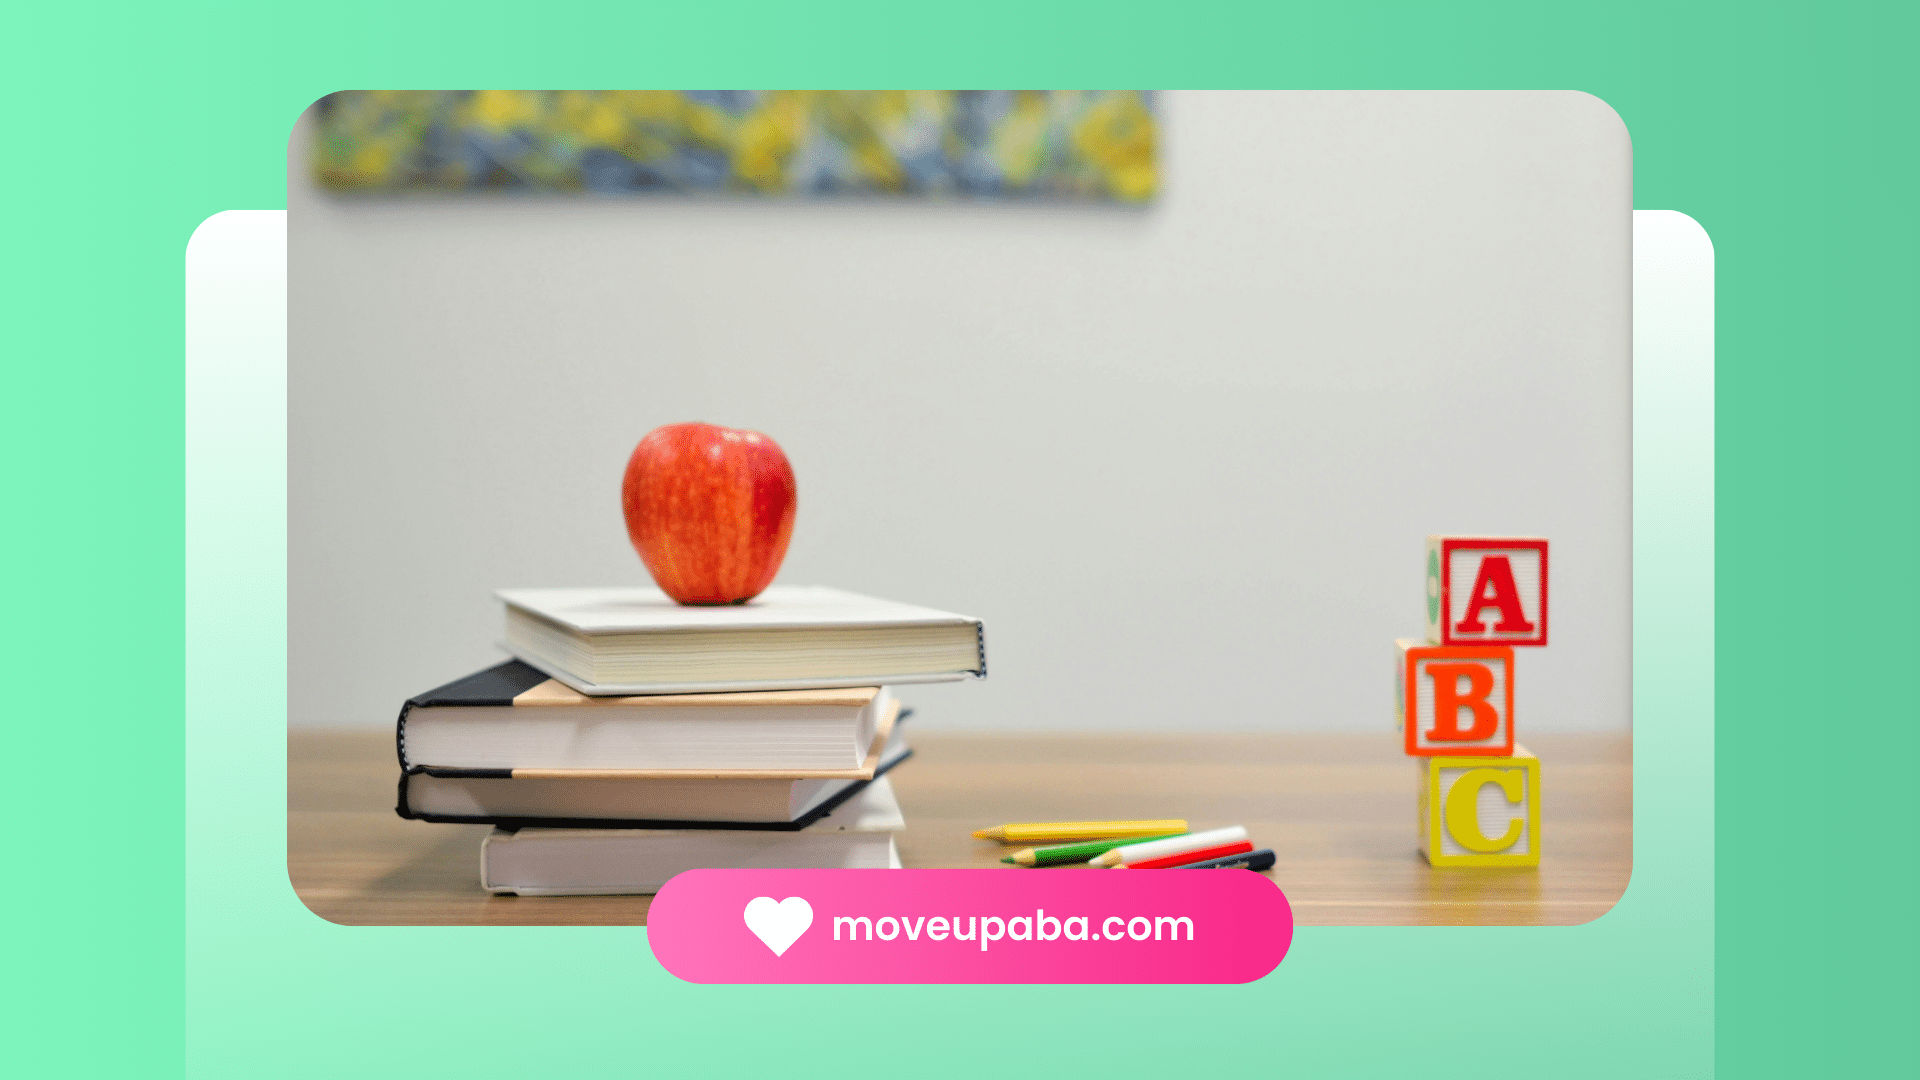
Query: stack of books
632, 738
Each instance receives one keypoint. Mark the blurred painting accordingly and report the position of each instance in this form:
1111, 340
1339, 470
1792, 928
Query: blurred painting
1046, 144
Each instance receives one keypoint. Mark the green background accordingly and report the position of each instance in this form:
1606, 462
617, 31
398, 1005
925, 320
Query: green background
1787, 133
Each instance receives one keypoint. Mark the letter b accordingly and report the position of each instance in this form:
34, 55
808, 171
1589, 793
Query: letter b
1456, 699
1041, 920
1448, 701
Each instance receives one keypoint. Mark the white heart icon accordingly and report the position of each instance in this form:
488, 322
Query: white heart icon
780, 924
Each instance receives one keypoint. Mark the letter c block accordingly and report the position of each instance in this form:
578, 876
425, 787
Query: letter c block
1480, 811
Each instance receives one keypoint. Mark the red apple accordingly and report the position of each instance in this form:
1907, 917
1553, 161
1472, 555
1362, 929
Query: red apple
710, 510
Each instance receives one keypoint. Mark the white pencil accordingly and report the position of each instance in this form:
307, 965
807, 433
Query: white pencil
1172, 845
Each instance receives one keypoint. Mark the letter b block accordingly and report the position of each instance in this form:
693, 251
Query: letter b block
1455, 700
1477, 811
1484, 591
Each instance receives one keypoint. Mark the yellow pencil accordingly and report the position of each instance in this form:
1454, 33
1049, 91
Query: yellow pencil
1079, 830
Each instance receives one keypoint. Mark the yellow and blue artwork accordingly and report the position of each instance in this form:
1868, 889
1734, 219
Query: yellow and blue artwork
1059, 144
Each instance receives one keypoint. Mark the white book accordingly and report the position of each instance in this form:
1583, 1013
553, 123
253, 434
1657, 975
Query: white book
601, 862
512, 717
625, 641
769, 802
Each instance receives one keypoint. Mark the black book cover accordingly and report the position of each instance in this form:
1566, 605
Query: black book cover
498, 686
513, 824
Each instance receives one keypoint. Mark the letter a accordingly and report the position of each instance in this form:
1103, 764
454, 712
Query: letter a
1496, 574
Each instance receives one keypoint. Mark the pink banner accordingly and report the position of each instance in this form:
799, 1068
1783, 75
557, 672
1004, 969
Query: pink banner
970, 926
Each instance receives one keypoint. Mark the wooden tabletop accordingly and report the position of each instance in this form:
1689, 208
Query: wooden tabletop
1338, 810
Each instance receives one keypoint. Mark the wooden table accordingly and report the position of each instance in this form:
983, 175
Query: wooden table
1337, 809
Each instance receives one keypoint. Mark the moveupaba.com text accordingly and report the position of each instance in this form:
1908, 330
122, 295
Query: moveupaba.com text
1039, 926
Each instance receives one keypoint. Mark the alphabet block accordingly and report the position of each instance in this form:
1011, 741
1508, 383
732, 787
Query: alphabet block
1477, 811
1455, 700
1486, 591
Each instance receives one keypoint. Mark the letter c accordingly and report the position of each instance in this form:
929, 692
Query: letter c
1106, 928
1463, 819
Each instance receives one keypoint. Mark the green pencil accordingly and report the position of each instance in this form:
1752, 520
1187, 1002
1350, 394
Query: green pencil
1066, 853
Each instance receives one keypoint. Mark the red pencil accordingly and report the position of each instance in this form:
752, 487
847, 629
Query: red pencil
1186, 857
1134, 854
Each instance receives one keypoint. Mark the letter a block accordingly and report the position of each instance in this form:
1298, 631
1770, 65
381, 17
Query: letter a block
1486, 591
1455, 700
1477, 811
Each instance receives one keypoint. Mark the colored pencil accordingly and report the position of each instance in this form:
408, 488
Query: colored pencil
1172, 845
1252, 860
1069, 853
1168, 862
1041, 832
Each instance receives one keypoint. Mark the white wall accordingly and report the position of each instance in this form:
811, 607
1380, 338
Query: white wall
1181, 460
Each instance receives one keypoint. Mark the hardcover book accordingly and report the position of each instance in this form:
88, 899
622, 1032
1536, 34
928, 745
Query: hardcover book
629, 641
858, 834
512, 717
459, 797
